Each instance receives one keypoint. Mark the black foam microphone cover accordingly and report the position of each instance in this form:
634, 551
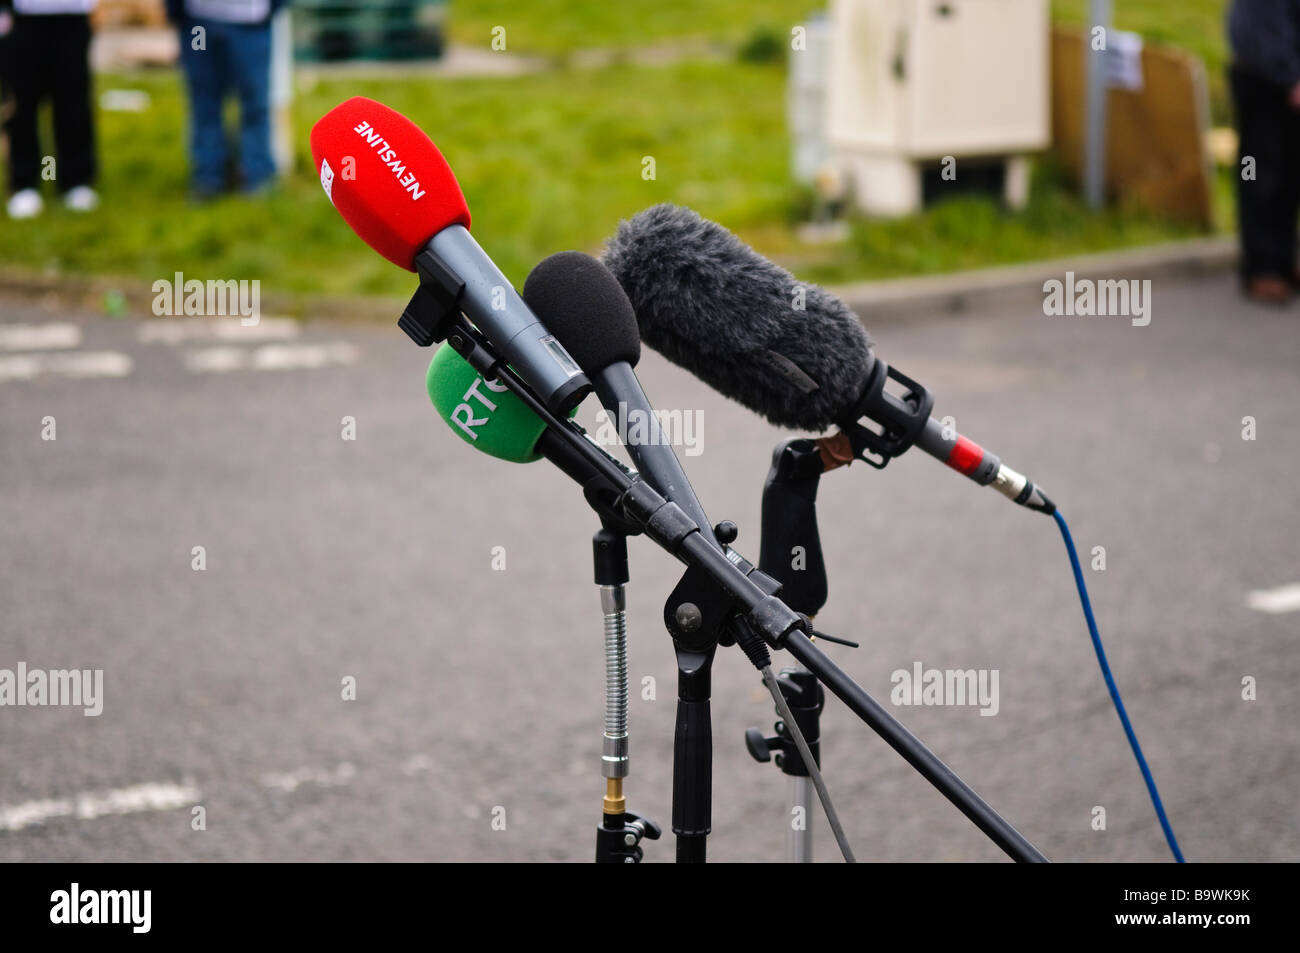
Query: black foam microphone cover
585, 307
787, 349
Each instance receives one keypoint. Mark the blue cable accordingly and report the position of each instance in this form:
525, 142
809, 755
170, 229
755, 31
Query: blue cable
1114, 692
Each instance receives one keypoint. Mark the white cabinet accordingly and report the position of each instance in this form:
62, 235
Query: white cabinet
910, 82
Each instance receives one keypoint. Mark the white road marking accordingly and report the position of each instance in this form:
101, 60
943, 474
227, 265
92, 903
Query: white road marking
292, 780
1275, 601
166, 796
270, 357
175, 331
88, 805
66, 364
282, 357
215, 360
39, 337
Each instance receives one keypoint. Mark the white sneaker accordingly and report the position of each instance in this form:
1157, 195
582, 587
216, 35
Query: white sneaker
82, 199
26, 204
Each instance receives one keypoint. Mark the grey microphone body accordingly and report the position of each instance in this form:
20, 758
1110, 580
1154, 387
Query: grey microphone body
491, 302
587, 309
620, 393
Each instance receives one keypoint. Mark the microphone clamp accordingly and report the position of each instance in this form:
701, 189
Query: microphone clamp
901, 418
434, 308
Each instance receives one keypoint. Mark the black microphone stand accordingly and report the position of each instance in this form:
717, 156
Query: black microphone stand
722, 598
790, 551
789, 525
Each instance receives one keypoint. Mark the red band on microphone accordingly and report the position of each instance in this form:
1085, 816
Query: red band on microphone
386, 177
966, 456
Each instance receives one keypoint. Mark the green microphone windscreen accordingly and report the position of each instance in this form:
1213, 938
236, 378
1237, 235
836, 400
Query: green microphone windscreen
482, 413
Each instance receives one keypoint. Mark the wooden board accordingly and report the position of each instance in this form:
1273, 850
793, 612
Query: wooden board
1156, 136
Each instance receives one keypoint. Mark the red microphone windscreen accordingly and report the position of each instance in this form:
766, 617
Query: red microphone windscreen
386, 177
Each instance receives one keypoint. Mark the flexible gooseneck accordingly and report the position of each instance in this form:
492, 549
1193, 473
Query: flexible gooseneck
619, 835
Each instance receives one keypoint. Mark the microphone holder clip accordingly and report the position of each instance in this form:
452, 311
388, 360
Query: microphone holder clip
699, 612
900, 419
435, 307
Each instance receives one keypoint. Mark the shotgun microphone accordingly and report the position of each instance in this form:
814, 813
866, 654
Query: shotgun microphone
787, 349
393, 187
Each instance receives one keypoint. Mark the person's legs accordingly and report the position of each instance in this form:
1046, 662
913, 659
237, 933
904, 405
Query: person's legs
1289, 204
27, 72
1265, 177
6, 26
74, 123
206, 79
251, 64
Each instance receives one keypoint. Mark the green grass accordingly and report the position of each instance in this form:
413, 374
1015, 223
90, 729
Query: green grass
543, 167
558, 27
548, 162
555, 27
975, 232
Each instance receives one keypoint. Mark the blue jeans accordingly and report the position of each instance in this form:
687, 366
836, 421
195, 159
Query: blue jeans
236, 56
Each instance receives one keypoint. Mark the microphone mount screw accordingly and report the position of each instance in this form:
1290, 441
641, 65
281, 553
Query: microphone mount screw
689, 618
726, 532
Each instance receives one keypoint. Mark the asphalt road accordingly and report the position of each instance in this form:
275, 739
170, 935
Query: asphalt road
479, 690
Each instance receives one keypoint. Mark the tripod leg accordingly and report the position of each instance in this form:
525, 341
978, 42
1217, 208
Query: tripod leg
805, 700
799, 840
914, 751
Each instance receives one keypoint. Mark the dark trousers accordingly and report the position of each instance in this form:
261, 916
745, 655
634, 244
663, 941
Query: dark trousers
236, 57
48, 58
1267, 205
